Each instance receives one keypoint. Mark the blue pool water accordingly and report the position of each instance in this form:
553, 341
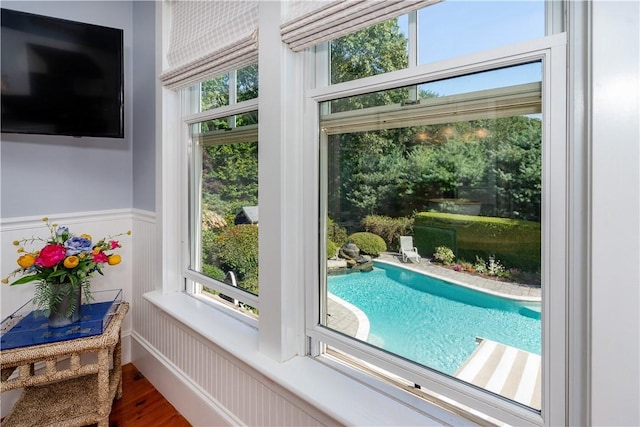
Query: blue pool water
433, 322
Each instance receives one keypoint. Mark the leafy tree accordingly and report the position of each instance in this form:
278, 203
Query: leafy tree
214, 93
370, 161
442, 169
247, 83
394, 172
515, 150
230, 171
375, 181
231, 175
374, 50
230, 181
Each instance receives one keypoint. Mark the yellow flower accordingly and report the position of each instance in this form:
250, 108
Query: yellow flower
95, 250
26, 260
20, 250
71, 261
114, 259
5, 281
86, 236
45, 219
16, 243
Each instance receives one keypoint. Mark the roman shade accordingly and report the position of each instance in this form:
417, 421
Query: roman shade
308, 23
209, 38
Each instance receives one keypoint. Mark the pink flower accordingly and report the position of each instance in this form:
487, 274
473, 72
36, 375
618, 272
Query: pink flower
50, 255
100, 257
114, 244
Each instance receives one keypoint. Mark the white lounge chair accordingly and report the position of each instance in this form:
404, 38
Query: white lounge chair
408, 251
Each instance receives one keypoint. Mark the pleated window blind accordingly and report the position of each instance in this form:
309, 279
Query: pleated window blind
311, 22
209, 38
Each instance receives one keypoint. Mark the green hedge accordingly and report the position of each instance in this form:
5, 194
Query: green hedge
516, 243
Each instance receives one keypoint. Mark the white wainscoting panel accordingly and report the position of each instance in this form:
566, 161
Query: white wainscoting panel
216, 388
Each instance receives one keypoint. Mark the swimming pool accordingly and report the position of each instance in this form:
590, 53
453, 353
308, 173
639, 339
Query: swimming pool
434, 322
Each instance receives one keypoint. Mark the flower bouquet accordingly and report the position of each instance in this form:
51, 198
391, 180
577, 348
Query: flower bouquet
62, 270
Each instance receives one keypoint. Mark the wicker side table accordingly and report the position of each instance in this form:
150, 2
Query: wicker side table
69, 391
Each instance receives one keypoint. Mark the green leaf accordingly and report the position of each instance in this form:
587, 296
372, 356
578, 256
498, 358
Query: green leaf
27, 279
58, 273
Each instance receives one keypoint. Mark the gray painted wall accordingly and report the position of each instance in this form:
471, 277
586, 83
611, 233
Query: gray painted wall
144, 83
43, 175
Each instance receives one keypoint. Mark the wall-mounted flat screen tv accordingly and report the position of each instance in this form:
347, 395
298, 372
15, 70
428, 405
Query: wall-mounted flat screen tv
61, 77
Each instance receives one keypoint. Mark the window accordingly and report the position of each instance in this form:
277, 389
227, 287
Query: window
223, 187
461, 174
382, 125
457, 155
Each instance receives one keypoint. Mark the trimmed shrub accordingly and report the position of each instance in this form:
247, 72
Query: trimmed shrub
444, 255
213, 271
332, 248
390, 229
237, 250
368, 243
516, 243
336, 233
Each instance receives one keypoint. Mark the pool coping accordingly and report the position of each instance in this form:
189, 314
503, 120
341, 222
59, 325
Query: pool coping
516, 292
363, 325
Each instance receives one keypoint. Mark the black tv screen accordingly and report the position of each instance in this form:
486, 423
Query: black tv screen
61, 77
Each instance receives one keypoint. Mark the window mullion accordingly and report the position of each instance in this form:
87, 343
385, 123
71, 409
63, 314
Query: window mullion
282, 247
413, 50
233, 95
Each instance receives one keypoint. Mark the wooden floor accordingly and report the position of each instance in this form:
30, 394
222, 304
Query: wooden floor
142, 405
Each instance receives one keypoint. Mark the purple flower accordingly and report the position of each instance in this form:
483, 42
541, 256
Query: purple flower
62, 230
75, 245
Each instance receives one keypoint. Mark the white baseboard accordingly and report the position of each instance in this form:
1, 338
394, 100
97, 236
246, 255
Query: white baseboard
126, 347
197, 407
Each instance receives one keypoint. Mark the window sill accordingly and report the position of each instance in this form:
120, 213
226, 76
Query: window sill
334, 393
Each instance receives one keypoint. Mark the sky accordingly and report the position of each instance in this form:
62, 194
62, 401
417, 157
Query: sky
478, 26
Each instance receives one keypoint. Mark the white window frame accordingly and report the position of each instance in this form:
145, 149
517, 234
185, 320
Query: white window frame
174, 175
551, 50
195, 281
281, 327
